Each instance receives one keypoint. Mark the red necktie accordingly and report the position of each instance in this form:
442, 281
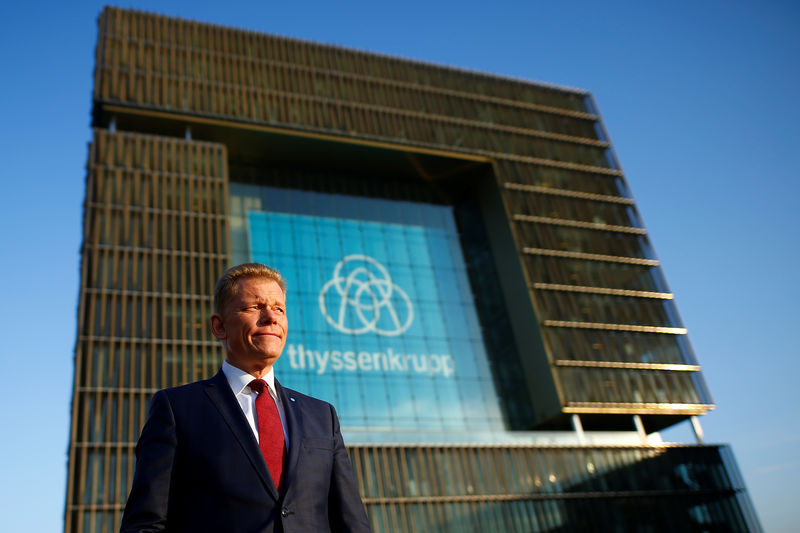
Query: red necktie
270, 431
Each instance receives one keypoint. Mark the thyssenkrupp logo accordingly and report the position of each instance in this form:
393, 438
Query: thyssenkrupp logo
360, 294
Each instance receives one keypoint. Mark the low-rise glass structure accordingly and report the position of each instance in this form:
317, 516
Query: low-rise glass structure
470, 282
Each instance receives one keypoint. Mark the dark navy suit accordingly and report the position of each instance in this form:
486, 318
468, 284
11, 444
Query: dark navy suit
199, 468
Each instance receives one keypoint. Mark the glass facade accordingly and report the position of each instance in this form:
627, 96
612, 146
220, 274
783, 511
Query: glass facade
383, 321
566, 489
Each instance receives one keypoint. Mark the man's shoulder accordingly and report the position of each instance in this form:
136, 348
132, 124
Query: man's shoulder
304, 399
194, 387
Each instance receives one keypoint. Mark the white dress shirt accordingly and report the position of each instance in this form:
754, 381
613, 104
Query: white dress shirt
239, 380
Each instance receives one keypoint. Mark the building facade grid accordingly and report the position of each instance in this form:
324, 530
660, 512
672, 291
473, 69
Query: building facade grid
591, 326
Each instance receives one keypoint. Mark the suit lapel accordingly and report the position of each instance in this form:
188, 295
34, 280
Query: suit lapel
219, 392
295, 430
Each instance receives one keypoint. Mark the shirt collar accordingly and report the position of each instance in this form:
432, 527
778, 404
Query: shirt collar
238, 379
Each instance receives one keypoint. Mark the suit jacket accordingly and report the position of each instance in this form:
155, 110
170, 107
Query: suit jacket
199, 468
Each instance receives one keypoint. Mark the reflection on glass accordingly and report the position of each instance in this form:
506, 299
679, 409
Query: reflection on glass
382, 320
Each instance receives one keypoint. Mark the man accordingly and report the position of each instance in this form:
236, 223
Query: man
239, 452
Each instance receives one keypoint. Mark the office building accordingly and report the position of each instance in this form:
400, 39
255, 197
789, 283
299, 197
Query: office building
470, 282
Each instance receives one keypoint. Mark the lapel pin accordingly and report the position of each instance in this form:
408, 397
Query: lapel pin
291, 399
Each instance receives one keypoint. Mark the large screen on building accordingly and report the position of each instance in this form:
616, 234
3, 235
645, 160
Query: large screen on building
382, 321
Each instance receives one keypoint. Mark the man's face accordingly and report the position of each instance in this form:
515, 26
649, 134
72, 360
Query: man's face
253, 325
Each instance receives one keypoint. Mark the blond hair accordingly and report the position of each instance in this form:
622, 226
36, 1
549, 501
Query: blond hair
226, 287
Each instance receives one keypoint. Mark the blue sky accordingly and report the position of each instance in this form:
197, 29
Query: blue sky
699, 98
